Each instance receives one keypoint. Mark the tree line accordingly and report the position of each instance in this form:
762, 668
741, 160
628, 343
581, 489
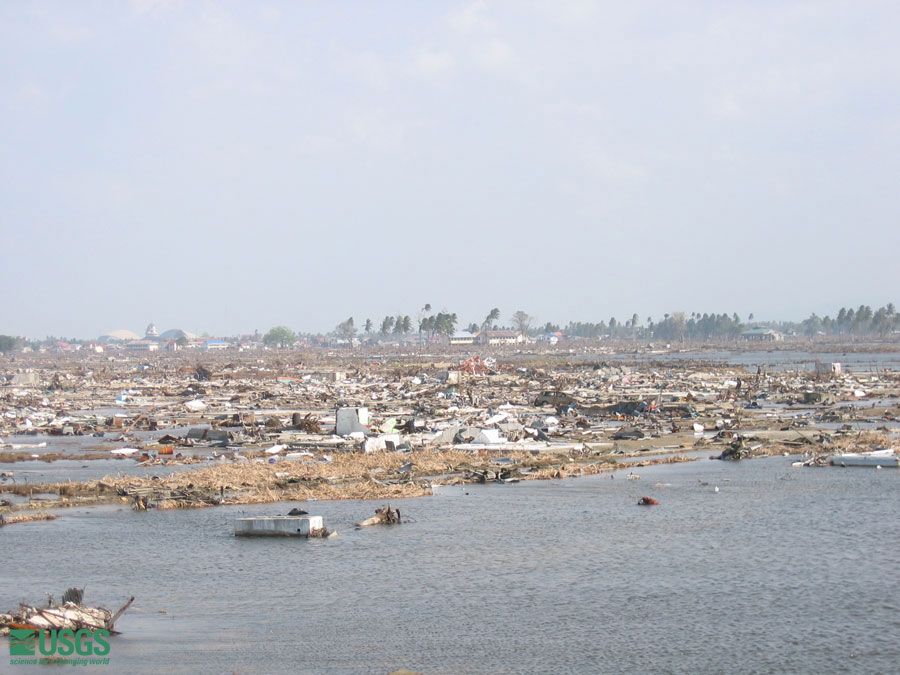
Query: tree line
696, 326
862, 321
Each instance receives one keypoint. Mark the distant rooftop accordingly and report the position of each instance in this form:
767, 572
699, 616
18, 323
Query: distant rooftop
121, 334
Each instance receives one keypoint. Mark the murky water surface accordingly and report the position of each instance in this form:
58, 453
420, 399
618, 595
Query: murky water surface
782, 570
774, 360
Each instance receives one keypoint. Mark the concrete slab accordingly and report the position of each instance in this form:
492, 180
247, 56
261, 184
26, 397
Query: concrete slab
277, 526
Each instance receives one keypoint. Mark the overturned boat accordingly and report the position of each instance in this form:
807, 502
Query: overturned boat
877, 458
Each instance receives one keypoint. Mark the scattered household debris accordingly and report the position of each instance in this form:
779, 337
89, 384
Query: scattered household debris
72, 614
256, 426
814, 460
351, 421
736, 450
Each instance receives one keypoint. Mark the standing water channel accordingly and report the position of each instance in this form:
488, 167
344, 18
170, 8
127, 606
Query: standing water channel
782, 570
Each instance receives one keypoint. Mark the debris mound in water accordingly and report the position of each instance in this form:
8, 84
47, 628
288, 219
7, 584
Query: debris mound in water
72, 614
383, 516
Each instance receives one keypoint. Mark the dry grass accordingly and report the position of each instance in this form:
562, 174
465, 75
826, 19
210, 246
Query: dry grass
347, 476
26, 518
863, 441
574, 469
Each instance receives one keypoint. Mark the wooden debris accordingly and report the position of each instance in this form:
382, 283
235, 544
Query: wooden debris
308, 423
71, 615
25, 518
75, 595
383, 516
115, 617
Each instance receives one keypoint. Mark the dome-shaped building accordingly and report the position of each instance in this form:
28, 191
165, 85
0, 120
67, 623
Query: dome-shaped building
120, 335
175, 333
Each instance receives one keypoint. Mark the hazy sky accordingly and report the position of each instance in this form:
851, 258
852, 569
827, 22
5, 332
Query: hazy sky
230, 166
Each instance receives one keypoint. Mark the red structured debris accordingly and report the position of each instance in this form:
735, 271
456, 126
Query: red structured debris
475, 365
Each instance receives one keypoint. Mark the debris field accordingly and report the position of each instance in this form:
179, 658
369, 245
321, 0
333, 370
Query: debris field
288, 426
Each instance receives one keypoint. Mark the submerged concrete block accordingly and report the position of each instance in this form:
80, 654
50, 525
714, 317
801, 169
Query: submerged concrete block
277, 526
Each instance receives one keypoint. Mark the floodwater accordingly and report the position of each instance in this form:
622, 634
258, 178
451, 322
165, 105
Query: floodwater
782, 570
774, 360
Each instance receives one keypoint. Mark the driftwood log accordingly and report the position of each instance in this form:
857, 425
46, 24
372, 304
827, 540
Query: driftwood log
25, 518
383, 516
309, 423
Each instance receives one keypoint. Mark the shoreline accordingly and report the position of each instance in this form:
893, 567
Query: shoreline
289, 482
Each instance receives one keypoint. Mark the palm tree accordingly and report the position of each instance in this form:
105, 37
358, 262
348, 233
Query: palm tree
387, 325
492, 316
421, 318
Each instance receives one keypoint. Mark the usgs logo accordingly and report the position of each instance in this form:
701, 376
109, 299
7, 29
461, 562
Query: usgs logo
58, 642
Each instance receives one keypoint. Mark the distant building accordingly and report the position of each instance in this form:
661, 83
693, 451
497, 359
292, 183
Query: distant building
120, 335
503, 337
142, 346
463, 338
175, 333
212, 345
151, 332
761, 334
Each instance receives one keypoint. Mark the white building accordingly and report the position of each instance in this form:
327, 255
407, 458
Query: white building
463, 338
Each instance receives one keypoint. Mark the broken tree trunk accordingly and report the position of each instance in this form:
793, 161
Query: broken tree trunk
115, 617
383, 516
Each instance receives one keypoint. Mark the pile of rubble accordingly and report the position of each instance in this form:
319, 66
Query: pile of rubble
70, 614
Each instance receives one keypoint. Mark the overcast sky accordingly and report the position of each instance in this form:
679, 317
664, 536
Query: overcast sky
230, 166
